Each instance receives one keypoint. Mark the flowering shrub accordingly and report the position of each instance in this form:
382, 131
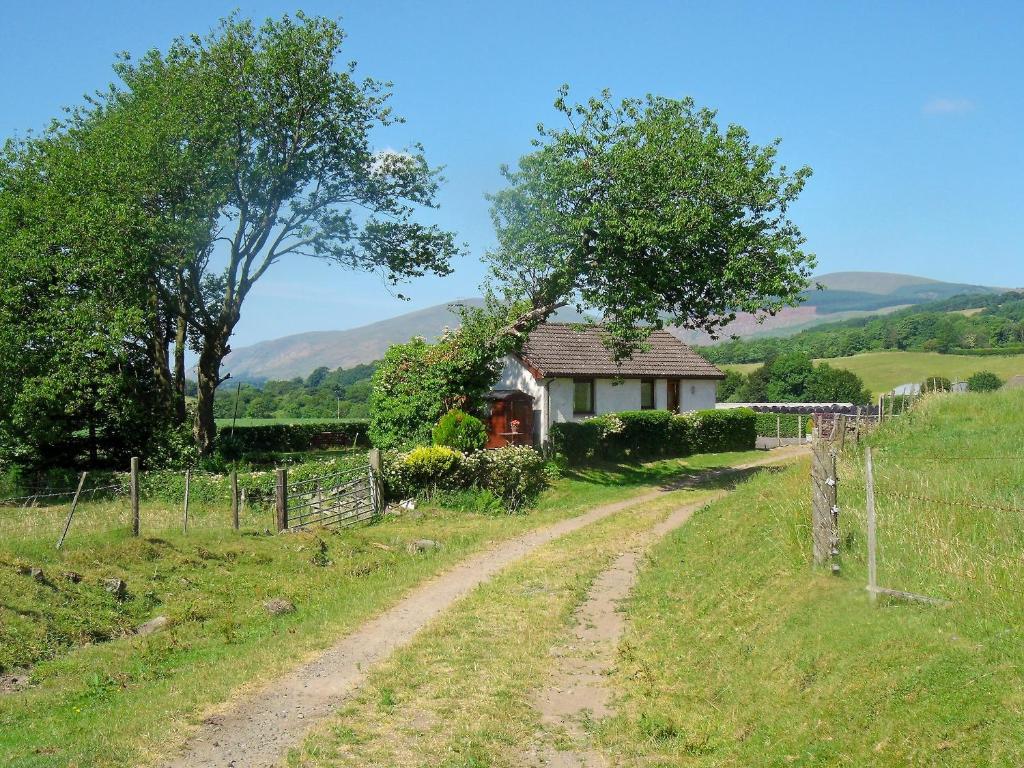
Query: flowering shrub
515, 475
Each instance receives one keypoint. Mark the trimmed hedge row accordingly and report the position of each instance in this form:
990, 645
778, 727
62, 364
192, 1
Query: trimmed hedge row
766, 424
267, 438
655, 434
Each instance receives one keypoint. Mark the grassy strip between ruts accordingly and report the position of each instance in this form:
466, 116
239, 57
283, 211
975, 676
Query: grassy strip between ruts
101, 696
458, 696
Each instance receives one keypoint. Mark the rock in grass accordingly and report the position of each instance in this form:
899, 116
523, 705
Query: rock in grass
116, 587
421, 545
153, 625
38, 575
72, 576
275, 606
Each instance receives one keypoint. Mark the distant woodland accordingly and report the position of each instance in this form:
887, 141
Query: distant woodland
975, 324
323, 394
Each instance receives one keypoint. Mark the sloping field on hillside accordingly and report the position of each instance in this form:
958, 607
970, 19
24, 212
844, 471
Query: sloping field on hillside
881, 371
739, 653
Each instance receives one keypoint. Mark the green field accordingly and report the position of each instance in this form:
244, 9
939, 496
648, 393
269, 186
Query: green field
226, 423
881, 371
738, 651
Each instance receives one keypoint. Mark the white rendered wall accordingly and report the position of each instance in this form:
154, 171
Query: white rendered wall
561, 393
613, 395
514, 375
697, 394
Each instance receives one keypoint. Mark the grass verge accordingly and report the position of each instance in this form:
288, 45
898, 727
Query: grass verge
739, 654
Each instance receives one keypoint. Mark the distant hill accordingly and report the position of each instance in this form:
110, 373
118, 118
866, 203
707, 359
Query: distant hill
300, 354
868, 291
974, 324
847, 295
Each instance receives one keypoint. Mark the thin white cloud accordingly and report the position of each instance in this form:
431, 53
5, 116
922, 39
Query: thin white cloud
945, 105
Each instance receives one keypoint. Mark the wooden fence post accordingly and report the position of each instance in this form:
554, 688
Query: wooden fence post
842, 431
824, 509
869, 481
778, 431
376, 488
234, 499
134, 490
184, 511
800, 428
71, 512
281, 494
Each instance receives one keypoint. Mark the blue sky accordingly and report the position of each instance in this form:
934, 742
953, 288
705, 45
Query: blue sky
910, 114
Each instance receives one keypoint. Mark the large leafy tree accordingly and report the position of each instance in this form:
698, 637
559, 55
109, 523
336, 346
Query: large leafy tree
287, 136
648, 212
76, 356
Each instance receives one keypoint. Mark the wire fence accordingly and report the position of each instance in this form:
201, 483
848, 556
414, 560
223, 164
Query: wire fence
157, 502
924, 533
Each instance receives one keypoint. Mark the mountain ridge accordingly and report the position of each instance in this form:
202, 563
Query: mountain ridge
847, 294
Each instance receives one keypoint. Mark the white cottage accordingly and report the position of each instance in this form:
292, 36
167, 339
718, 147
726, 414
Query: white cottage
570, 374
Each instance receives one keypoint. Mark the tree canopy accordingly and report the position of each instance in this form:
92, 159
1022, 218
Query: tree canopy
647, 212
794, 378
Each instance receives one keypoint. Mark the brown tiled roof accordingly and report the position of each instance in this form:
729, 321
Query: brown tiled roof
556, 349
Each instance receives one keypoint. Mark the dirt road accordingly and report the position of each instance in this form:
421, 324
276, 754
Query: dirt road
257, 730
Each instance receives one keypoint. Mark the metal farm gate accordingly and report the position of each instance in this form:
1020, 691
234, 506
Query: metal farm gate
340, 498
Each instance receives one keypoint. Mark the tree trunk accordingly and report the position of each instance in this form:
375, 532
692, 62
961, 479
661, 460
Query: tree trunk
179, 369
214, 348
159, 346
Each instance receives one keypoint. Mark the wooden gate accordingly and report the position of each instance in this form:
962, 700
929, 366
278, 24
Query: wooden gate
341, 498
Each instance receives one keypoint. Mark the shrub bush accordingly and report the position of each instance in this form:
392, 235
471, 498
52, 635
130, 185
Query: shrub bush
644, 434
424, 470
649, 434
729, 430
458, 430
766, 424
984, 381
515, 474
576, 441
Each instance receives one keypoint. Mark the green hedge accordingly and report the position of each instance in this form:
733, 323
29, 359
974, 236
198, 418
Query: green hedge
766, 424
642, 435
268, 438
1010, 349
